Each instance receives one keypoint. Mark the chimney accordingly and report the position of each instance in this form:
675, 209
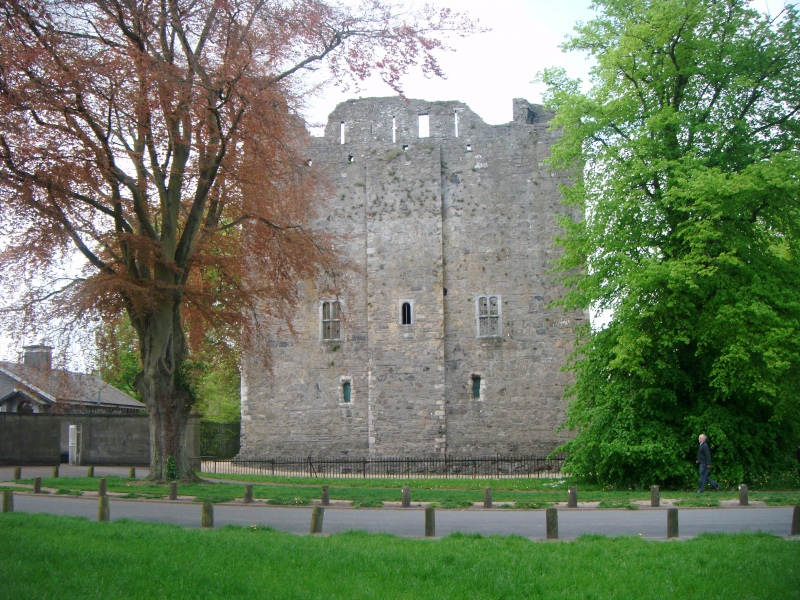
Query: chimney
38, 356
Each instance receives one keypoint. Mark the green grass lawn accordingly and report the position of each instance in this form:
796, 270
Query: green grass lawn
529, 493
65, 557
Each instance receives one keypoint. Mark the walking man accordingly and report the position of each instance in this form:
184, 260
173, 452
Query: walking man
704, 460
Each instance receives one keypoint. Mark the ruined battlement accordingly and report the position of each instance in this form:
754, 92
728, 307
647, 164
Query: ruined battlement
395, 120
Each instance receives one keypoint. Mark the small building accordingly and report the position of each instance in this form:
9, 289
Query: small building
34, 387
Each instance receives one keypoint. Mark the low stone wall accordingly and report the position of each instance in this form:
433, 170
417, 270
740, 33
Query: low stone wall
42, 439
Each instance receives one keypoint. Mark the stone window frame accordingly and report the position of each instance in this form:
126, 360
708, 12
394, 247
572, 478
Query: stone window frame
337, 320
400, 315
346, 380
486, 318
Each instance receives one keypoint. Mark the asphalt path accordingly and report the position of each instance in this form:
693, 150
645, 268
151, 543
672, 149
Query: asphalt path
410, 522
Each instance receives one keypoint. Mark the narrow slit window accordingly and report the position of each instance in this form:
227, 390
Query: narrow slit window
405, 315
424, 126
455, 122
476, 386
331, 321
341, 132
346, 387
394, 130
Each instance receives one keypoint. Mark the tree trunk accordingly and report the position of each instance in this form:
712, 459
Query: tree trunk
166, 395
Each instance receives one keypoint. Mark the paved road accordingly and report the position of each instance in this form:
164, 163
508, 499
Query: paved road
650, 523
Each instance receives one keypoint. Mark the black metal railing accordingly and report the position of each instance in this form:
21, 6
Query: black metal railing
395, 468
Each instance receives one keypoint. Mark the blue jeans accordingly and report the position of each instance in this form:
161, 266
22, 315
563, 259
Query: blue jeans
704, 478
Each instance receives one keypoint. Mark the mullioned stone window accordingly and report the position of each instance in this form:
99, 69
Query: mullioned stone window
488, 316
331, 320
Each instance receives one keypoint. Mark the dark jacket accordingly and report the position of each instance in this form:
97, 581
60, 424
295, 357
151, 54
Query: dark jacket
704, 454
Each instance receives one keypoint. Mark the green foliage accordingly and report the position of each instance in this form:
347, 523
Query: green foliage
118, 355
530, 505
686, 152
172, 473
366, 504
701, 500
288, 501
617, 504
210, 378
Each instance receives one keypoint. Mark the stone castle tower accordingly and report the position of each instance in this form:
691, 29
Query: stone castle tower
441, 341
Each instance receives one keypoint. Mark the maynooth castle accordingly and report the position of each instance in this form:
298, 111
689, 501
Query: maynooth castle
441, 340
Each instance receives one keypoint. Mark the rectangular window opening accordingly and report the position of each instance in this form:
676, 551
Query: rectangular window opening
476, 386
346, 392
331, 321
489, 313
341, 133
424, 126
455, 122
394, 130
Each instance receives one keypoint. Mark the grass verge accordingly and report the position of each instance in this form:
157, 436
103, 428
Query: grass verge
48, 557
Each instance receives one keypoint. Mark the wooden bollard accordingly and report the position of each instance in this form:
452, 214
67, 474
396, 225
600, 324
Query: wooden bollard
103, 510
317, 515
207, 519
101, 487
248, 493
655, 496
551, 523
672, 523
173, 490
430, 522
743, 500
90, 472
572, 500
796, 521
8, 501
132, 473
326, 496
37, 485
55, 472
17, 473
487, 497
406, 496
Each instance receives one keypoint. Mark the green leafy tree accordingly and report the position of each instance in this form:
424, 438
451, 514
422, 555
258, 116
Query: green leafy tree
118, 355
686, 154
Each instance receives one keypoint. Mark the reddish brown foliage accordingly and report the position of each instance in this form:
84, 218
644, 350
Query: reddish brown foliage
160, 141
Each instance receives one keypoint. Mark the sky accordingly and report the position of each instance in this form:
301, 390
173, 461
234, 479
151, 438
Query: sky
487, 70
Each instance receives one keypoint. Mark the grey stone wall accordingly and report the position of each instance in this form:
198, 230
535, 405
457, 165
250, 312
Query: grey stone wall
40, 439
436, 222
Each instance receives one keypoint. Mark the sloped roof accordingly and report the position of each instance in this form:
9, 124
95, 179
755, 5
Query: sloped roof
59, 385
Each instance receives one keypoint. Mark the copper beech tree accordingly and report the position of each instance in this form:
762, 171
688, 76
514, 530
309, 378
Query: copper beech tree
159, 140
